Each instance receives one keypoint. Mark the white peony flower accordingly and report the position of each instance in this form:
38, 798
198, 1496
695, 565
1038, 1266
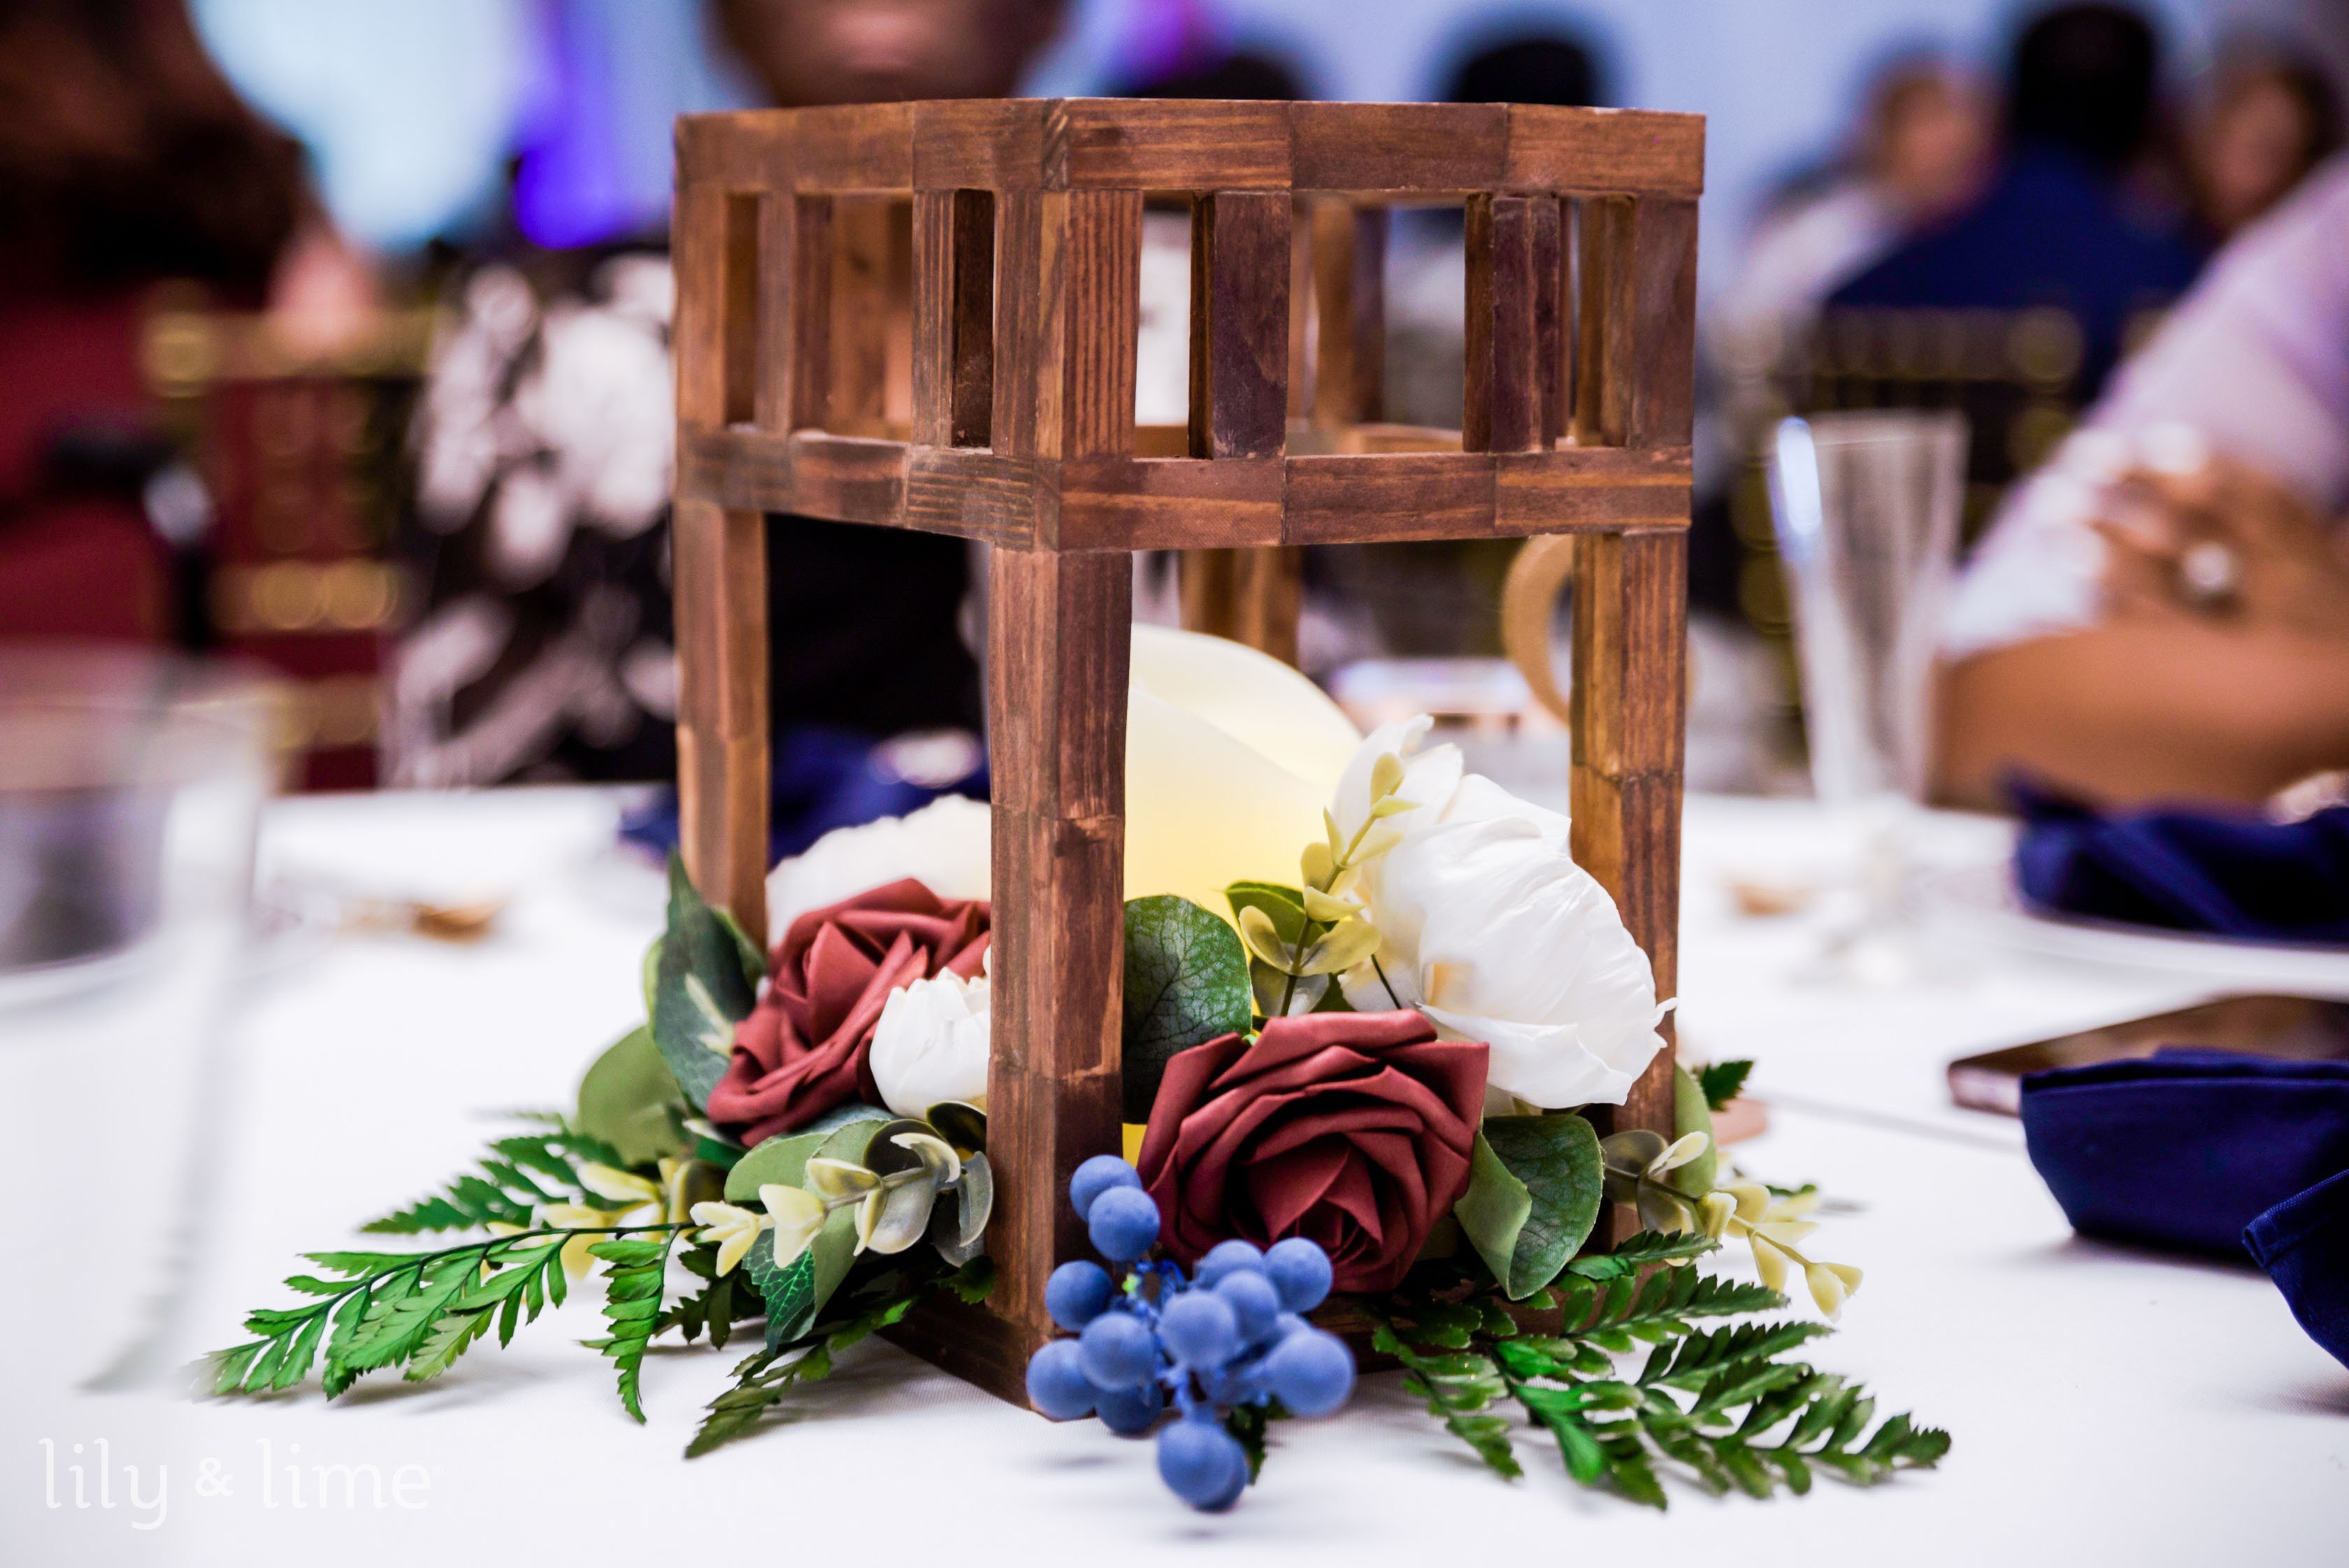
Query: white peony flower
1489, 928
945, 844
931, 1045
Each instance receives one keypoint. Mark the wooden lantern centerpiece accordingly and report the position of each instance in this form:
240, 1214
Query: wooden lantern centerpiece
1026, 221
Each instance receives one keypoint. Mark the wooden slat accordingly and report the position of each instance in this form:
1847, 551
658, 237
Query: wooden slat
698, 334
741, 309
1058, 636
981, 495
1350, 248
954, 318
1346, 499
720, 565
1300, 295
1125, 503
1629, 704
1398, 148
1031, 322
719, 562
1502, 408
1553, 319
745, 469
1587, 488
748, 151
979, 144
1133, 503
1239, 324
848, 478
863, 149
777, 287
1165, 144
809, 397
1604, 365
1662, 309
1103, 285
1604, 150
858, 403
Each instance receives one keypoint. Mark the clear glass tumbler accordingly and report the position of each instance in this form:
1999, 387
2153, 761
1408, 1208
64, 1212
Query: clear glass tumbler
131, 785
1866, 507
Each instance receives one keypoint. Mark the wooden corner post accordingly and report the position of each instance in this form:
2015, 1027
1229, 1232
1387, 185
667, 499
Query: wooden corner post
1027, 227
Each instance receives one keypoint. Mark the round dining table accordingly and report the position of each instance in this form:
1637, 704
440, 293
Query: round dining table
173, 1146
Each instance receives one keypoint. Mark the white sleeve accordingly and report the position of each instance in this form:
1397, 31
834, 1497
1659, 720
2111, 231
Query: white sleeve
2255, 359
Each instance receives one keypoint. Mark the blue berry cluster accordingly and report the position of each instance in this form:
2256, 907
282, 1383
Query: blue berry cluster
1230, 1335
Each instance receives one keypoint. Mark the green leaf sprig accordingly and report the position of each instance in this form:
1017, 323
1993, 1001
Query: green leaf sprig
765, 1381
1722, 1081
1726, 1406
516, 1176
418, 1311
1335, 932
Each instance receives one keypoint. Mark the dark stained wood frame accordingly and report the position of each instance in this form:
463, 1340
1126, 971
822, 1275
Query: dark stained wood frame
1026, 221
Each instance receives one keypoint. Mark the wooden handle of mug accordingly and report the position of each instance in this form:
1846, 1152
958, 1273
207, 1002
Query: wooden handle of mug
1528, 607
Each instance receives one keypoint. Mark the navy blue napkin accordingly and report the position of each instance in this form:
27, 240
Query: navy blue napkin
2182, 1149
2230, 875
820, 778
2303, 1243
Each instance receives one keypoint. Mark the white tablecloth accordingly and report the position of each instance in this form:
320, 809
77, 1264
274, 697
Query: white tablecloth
2108, 1406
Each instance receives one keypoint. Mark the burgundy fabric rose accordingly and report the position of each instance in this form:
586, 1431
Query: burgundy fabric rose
1351, 1130
805, 1048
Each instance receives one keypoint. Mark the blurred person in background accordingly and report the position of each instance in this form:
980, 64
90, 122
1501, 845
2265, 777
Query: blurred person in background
2064, 223
1920, 153
2266, 118
543, 446
127, 162
2163, 612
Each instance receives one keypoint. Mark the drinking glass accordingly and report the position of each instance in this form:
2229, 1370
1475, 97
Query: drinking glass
1866, 507
130, 790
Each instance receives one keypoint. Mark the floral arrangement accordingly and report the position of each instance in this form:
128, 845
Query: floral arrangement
1362, 1091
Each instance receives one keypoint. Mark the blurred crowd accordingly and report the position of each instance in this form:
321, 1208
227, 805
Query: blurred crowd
434, 487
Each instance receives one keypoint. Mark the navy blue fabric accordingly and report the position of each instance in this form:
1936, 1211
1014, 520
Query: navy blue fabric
825, 777
2050, 230
2303, 1243
2182, 1149
2230, 875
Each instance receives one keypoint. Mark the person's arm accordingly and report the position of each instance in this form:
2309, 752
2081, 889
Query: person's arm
2142, 710
2227, 689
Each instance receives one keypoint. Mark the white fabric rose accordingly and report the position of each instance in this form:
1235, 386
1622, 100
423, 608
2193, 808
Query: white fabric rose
945, 845
931, 1045
1489, 928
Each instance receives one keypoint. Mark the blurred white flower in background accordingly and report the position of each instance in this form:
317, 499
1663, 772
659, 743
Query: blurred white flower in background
945, 844
1490, 929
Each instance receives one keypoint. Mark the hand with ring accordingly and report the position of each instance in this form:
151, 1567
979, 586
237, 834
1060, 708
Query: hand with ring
2218, 539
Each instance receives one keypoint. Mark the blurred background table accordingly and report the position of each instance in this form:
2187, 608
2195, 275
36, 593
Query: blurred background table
2103, 1401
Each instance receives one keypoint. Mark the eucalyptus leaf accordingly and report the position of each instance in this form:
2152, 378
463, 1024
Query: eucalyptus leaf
628, 1100
1692, 1113
841, 1115
1284, 905
782, 1160
1186, 982
964, 1126
779, 1161
701, 988
1534, 1192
